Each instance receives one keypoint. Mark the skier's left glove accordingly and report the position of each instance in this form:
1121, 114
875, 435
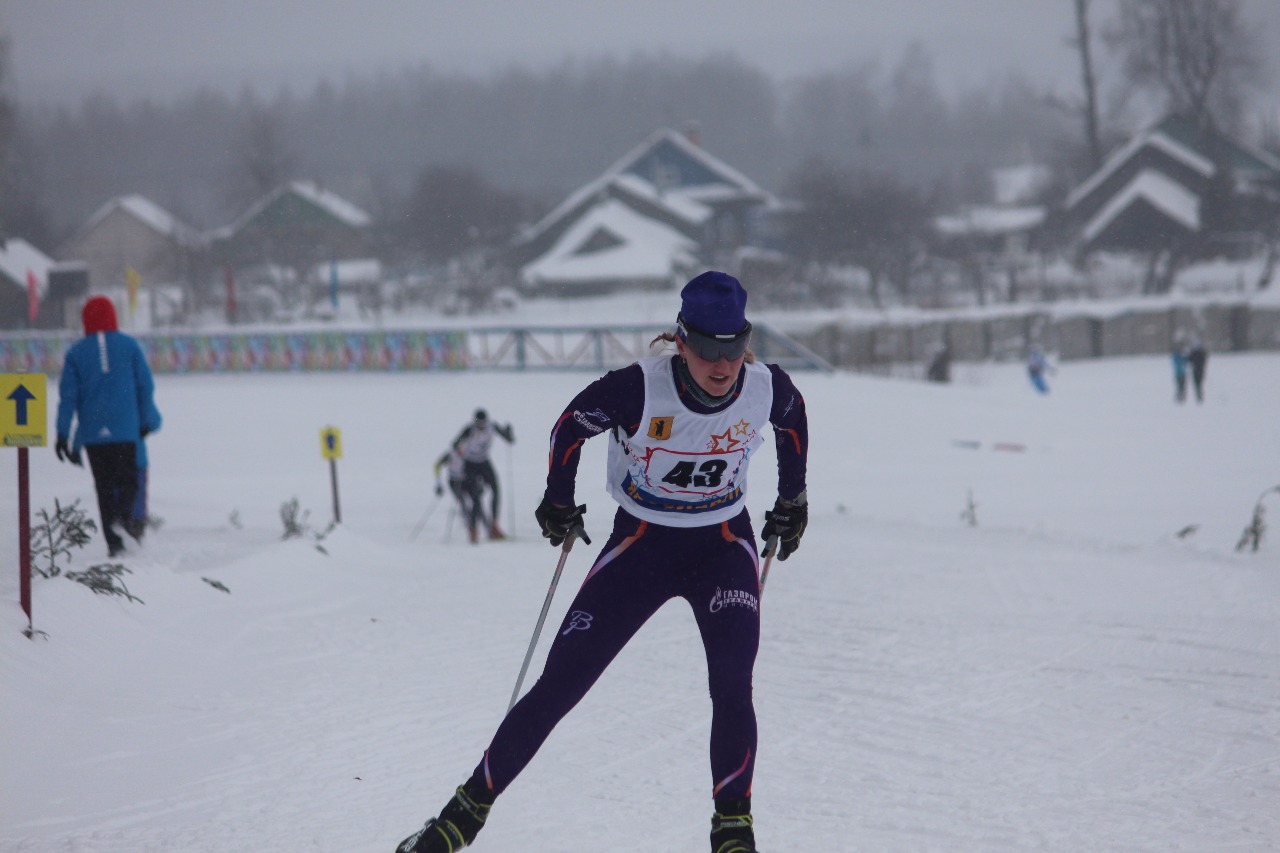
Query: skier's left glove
65, 453
787, 521
558, 522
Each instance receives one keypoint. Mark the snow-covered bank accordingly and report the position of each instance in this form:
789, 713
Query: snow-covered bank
1067, 675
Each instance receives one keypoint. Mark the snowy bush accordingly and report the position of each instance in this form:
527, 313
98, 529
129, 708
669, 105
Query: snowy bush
294, 518
1251, 538
104, 579
54, 536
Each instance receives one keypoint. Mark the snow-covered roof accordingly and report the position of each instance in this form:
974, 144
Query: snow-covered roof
1016, 185
687, 200
1165, 194
990, 221
630, 246
350, 271
17, 256
336, 206
1153, 137
148, 213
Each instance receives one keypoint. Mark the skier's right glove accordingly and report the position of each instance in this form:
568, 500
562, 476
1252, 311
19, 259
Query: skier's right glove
64, 453
787, 521
439, 490
557, 522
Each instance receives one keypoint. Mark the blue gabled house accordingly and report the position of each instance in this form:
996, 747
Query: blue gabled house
663, 209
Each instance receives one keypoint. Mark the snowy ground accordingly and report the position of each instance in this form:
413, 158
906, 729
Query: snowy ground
1068, 675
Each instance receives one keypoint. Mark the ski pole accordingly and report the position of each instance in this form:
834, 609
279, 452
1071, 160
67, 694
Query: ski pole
576, 532
511, 492
425, 518
770, 546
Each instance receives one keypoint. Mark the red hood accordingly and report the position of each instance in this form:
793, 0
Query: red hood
99, 315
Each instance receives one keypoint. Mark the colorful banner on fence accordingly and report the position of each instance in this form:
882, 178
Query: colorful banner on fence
269, 351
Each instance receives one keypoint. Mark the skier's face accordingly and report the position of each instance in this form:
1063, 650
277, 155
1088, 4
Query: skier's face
714, 377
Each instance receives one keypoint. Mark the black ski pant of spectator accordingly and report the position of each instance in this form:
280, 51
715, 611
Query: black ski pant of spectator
481, 475
1197, 379
115, 479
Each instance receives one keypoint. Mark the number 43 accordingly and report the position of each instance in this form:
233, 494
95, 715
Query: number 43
706, 475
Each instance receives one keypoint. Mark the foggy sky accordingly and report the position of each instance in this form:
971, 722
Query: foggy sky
63, 50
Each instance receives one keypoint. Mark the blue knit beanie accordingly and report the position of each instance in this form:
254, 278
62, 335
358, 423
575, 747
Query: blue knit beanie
714, 302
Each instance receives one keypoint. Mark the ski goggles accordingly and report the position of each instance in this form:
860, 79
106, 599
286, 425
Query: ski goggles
709, 347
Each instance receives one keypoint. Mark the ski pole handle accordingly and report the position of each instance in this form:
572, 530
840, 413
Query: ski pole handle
576, 532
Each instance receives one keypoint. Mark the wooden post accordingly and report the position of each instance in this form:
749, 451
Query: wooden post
24, 534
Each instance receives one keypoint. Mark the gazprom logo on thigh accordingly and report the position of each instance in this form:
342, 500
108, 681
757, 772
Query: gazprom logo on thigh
733, 598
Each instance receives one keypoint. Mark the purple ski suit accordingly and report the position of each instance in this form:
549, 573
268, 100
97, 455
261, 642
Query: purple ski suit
643, 565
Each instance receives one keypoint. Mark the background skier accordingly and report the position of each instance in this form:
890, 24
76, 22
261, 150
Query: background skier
473, 444
466, 492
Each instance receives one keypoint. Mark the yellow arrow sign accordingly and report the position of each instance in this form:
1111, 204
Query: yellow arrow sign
331, 443
23, 410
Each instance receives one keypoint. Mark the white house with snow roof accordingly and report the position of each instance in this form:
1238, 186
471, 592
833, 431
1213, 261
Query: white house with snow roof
131, 231
662, 210
21, 262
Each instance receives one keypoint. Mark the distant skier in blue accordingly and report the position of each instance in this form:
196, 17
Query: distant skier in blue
1037, 366
682, 430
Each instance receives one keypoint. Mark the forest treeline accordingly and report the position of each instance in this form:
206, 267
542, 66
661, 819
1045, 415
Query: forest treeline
534, 135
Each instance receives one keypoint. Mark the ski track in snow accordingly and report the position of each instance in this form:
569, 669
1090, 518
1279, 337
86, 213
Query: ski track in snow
1065, 676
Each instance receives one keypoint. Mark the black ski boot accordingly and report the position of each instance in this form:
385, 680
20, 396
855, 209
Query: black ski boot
455, 828
731, 830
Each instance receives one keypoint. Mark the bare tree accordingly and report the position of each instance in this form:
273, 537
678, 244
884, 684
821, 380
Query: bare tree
1083, 44
1200, 56
265, 160
873, 222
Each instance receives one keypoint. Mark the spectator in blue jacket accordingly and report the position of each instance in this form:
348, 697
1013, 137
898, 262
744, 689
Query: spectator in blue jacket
107, 390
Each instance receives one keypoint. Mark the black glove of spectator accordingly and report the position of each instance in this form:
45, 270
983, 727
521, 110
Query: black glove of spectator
787, 521
557, 522
66, 454
143, 432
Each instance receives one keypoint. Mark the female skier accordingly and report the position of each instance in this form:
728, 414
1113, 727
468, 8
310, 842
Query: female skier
682, 432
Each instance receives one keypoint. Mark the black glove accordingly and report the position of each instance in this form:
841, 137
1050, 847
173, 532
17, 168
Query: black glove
143, 432
66, 454
557, 522
439, 490
787, 521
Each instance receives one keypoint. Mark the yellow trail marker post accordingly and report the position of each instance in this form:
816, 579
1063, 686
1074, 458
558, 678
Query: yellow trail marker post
331, 449
23, 420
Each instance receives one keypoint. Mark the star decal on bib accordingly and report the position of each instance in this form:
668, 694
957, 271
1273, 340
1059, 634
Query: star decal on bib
721, 443
741, 427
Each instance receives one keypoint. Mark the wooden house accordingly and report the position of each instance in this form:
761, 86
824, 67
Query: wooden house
298, 225
133, 232
1168, 185
662, 210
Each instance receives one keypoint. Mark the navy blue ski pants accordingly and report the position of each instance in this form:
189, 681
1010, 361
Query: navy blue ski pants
640, 568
